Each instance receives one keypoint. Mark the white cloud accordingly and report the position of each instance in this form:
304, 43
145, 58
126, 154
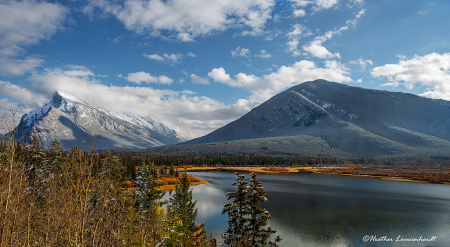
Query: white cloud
29, 101
12, 66
172, 58
26, 96
294, 37
297, 32
353, 21
199, 80
316, 5
142, 76
10, 114
431, 71
262, 88
190, 54
186, 20
362, 62
402, 57
25, 23
190, 115
240, 52
154, 57
316, 48
185, 37
299, 12
293, 47
263, 54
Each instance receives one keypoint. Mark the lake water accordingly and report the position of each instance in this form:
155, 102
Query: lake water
332, 210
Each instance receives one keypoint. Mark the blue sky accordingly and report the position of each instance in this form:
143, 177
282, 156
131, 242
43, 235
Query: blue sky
197, 65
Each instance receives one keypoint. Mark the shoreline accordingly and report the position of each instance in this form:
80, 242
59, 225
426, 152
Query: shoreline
316, 170
172, 186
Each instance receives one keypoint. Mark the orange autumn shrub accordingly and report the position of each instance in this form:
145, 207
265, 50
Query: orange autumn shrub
127, 184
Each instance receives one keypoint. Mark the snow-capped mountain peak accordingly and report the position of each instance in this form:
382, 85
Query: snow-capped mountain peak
68, 119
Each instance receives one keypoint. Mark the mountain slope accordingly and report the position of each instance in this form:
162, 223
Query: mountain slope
355, 121
74, 121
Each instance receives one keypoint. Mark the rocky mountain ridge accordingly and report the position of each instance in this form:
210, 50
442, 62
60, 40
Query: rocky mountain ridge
75, 121
348, 120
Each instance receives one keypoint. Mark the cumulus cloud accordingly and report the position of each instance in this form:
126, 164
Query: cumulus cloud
190, 54
199, 80
262, 88
142, 76
263, 54
172, 58
185, 20
240, 52
318, 50
431, 71
189, 114
24, 23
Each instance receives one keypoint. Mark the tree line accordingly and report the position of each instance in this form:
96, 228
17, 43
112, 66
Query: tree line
167, 161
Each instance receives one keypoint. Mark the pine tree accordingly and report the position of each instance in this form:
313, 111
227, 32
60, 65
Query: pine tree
149, 200
246, 219
185, 207
237, 211
146, 182
171, 170
258, 217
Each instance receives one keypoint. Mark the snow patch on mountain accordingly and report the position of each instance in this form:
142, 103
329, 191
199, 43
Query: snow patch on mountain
66, 117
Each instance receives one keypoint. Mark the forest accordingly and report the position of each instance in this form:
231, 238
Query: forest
55, 197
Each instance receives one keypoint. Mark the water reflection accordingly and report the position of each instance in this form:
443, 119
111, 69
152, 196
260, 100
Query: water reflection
328, 210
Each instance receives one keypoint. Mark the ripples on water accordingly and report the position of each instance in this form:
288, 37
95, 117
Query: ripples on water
331, 210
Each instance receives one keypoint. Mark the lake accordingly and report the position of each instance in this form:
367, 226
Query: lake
332, 210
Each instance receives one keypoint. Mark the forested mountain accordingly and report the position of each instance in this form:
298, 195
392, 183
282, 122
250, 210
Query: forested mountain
326, 118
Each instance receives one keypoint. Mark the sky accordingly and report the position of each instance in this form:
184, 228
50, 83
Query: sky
197, 65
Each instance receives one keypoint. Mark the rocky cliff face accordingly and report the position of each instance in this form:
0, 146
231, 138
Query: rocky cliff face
74, 121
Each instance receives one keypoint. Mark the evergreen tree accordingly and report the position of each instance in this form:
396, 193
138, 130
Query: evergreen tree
146, 182
258, 217
246, 220
185, 207
237, 211
171, 170
149, 200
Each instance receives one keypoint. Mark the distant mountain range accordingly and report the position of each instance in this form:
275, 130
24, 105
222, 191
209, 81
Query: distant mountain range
332, 119
74, 121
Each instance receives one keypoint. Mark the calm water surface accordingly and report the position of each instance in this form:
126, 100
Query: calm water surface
331, 210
